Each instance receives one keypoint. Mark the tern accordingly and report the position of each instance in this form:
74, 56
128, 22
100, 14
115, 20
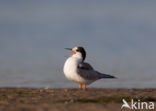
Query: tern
76, 70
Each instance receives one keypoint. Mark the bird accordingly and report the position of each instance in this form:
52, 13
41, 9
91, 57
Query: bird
77, 70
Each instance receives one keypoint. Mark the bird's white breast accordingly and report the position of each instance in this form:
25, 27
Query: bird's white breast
70, 69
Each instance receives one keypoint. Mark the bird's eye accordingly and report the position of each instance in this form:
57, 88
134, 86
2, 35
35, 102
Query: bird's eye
77, 50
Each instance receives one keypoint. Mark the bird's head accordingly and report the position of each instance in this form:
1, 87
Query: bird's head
78, 52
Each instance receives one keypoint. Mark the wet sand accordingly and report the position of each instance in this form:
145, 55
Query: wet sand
28, 99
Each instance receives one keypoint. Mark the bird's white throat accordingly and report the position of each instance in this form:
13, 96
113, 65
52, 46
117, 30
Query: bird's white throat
72, 63
78, 55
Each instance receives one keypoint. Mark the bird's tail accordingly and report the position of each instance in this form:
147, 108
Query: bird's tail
106, 76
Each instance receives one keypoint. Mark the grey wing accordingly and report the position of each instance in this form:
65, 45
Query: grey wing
85, 65
86, 71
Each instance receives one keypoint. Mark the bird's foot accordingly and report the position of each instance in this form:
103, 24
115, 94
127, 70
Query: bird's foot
80, 86
84, 87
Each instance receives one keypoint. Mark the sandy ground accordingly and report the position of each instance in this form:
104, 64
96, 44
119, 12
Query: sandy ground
27, 99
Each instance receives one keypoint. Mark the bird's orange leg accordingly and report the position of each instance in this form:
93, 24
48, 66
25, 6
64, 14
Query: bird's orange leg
84, 87
80, 86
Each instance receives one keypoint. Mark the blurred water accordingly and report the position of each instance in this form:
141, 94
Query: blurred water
119, 37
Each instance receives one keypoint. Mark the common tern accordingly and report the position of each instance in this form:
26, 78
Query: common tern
76, 70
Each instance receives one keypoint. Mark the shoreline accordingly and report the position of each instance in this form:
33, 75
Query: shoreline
69, 99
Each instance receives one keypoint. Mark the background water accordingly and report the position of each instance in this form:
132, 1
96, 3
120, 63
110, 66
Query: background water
119, 37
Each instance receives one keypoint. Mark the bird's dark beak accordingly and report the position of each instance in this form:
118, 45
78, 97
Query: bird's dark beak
68, 49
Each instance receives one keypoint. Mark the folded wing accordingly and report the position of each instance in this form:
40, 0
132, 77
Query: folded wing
86, 71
